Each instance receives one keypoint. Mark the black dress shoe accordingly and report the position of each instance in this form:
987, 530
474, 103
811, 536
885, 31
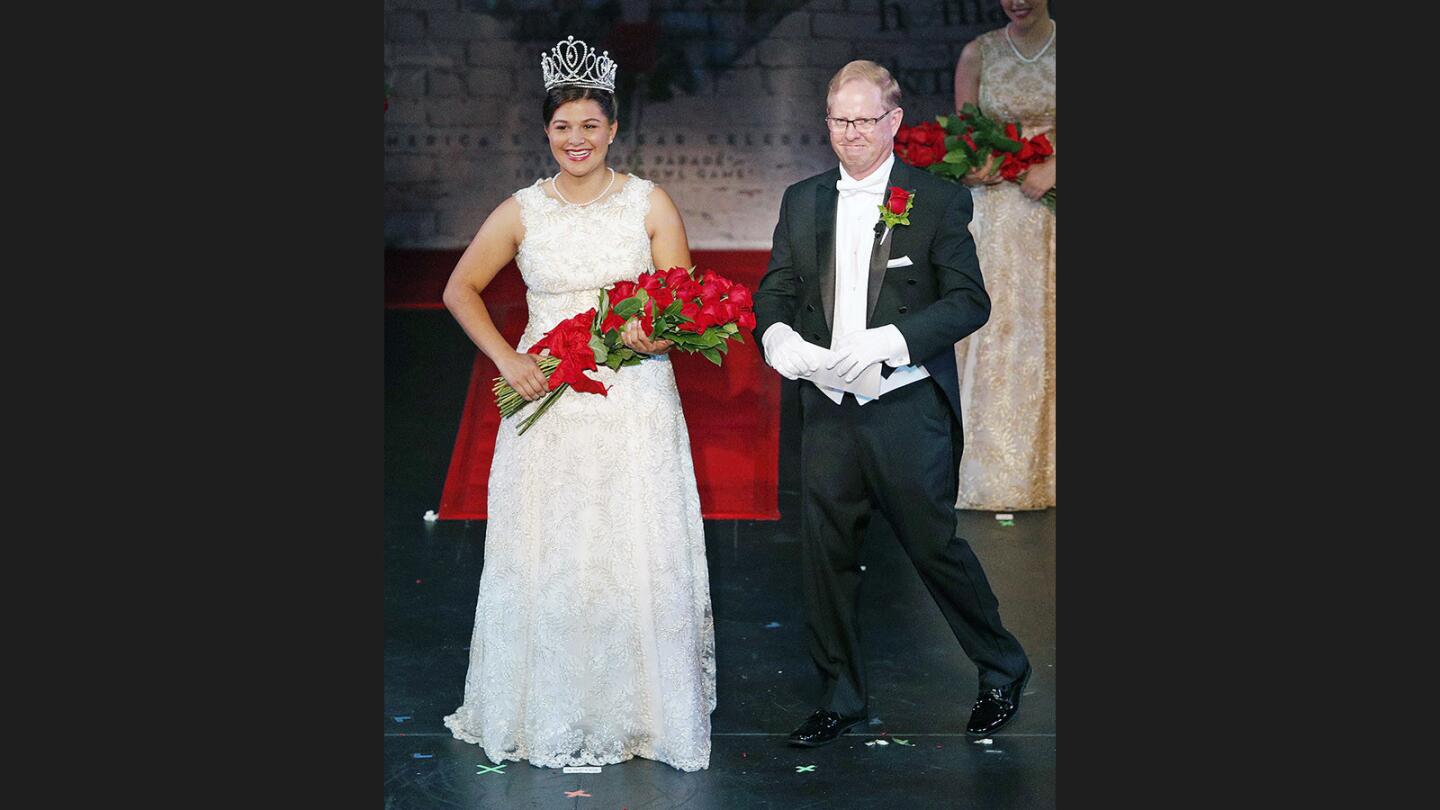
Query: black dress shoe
821, 728
996, 707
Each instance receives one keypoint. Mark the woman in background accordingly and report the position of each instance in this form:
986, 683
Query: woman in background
1007, 368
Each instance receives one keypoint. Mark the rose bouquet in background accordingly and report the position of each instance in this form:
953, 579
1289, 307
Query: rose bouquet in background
700, 314
952, 145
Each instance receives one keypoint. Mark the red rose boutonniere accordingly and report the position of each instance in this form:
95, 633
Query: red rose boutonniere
896, 208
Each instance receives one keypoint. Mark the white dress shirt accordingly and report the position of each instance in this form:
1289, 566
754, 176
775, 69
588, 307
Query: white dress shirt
856, 212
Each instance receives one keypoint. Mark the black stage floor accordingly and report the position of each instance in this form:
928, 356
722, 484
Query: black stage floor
921, 683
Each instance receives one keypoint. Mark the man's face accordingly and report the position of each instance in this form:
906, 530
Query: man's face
861, 152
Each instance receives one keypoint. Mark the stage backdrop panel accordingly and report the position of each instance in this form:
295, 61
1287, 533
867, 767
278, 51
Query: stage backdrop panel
720, 101
733, 412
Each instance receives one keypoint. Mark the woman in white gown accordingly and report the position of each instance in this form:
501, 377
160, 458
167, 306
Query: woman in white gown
593, 639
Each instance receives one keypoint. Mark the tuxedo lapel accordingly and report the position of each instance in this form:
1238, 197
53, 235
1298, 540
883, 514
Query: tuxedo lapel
904, 176
879, 257
825, 203
881, 250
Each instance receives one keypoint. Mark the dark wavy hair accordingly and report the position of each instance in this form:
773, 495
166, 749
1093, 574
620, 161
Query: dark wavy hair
566, 93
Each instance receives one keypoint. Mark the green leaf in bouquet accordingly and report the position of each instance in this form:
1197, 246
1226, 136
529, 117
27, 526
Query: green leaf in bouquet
628, 308
672, 310
614, 361
996, 138
1004, 144
731, 328
713, 356
597, 344
723, 346
740, 336
955, 157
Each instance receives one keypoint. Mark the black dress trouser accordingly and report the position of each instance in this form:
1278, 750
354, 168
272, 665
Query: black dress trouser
893, 454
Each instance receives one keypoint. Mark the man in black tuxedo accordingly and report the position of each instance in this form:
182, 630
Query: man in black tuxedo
842, 293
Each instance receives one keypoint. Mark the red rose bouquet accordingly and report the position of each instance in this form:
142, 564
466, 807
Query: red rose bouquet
952, 145
922, 145
698, 314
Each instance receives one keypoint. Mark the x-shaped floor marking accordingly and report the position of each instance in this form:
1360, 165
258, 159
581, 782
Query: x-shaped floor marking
804, 768
571, 794
491, 768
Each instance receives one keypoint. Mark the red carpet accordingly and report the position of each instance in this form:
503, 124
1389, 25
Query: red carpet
733, 412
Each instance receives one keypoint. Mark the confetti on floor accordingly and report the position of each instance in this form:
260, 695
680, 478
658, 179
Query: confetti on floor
399, 718
986, 741
430, 516
422, 756
571, 794
899, 741
772, 625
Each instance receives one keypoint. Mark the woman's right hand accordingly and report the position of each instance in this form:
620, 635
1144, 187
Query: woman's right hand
985, 175
523, 374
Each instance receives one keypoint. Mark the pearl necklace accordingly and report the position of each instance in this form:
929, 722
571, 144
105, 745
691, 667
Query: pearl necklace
1021, 56
556, 186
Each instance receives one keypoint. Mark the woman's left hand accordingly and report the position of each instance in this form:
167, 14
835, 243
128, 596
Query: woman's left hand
1038, 180
634, 338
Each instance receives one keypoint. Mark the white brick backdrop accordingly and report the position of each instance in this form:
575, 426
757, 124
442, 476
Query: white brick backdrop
463, 129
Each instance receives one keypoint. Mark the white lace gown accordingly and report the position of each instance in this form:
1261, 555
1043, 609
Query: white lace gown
593, 639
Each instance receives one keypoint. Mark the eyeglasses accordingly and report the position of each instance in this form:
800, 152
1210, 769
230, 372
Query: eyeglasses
862, 125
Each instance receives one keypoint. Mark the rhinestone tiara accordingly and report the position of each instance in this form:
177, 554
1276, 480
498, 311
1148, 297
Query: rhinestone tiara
571, 61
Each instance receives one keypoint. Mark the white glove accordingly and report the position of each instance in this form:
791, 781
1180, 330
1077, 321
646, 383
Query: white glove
857, 351
790, 354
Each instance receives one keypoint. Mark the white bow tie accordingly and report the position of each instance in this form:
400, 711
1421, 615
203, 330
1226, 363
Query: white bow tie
874, 184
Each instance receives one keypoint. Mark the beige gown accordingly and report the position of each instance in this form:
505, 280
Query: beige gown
1007, 367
